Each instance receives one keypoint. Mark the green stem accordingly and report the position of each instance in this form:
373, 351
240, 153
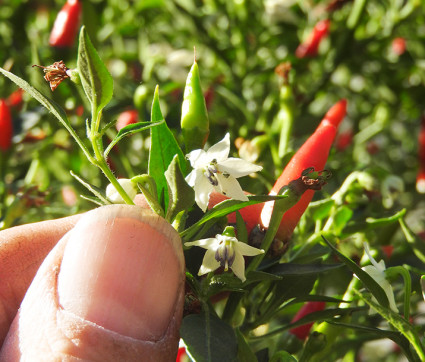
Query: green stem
99, 161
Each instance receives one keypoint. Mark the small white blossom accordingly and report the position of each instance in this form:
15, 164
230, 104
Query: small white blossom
213, 169
377, 272
225, 251
129, 187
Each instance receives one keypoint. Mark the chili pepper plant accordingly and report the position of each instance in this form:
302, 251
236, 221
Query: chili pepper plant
286, 150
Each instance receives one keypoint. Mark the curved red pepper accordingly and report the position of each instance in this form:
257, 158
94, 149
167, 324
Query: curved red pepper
313, 153
310, 47
6, 127
66, 25
303, 331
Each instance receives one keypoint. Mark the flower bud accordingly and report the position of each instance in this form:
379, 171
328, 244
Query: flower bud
129, 187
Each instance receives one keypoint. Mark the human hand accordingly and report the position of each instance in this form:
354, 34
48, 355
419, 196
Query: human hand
111, 289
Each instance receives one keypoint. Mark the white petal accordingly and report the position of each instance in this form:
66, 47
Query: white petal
238, 167
381, 265
390, 294
210, 243
208, 263
203, 188
245, 249
220, 151
376, 274
230, 187
238, 267
196, 157
191, 179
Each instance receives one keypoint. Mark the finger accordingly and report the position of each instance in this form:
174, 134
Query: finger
112, 289
22, 250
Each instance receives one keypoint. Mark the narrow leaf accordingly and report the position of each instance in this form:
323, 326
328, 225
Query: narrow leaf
228, 206
302, 269
46, 102
129, 130
364, 277
95, 78
398, 323
95, 190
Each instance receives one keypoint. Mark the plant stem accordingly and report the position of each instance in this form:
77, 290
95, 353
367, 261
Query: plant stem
99, 160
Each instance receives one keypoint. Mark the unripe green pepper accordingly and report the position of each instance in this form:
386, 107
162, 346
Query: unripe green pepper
194, 121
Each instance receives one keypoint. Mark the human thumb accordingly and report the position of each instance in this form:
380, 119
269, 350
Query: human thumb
111, 290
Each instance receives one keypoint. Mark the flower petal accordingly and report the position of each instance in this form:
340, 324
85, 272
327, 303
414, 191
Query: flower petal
191, 178
220, 151
230, 187
209, 263
203, 188
238, 267
237, 167
245, 249
204, 243
196, 157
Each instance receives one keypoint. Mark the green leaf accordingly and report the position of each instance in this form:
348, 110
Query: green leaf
398, 323
241, 228
95, 78
314, 317
364, 277
46, 102
301, 269
208, 338
162, 151
182, 196
129, 130
228, 206
244, 350
283, 356
97, 192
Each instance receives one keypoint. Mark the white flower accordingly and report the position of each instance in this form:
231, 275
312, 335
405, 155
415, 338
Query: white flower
129, 187
377, 272
225, 251
213, 169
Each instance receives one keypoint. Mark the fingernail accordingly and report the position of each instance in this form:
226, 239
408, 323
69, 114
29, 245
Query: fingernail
122, 269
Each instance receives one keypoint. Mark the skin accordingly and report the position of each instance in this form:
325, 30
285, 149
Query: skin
107, 285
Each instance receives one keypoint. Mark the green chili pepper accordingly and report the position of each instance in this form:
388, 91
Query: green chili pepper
194, 121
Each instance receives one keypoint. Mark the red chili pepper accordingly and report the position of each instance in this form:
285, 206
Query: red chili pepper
344, 140
66, 25
6, 127
398, 46
313, 153
310, 47
303, 331
126, 118
15, 99
250, 214
420, 177
388, 250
